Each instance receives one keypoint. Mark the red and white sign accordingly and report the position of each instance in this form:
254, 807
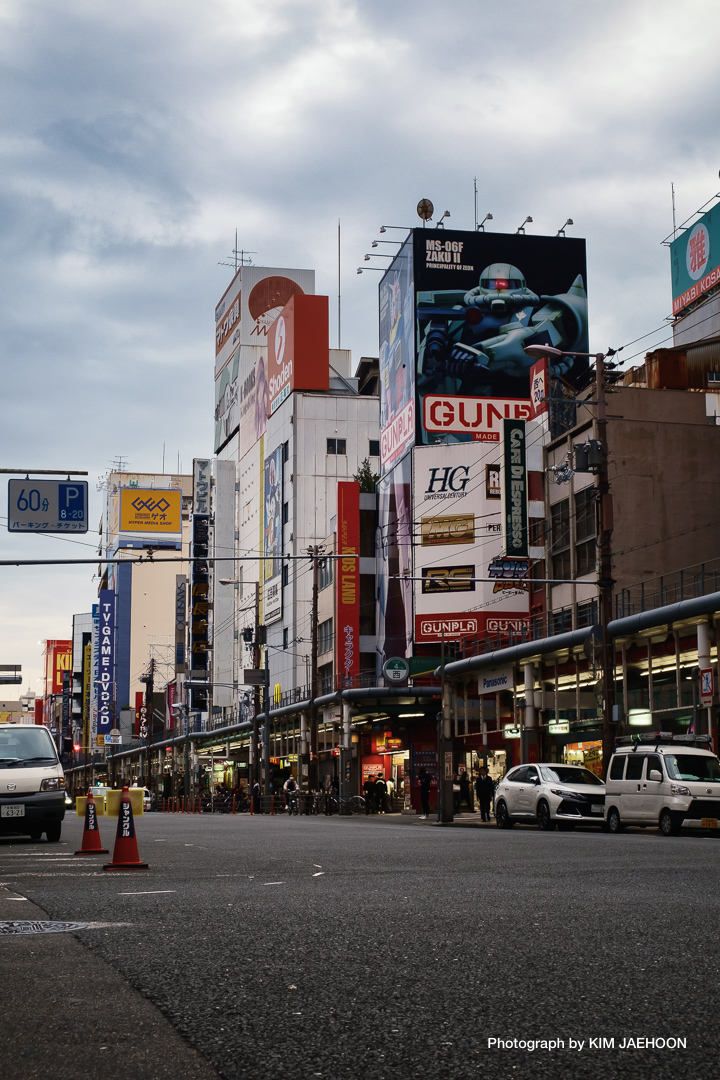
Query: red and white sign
539, 387
398, 435
480, 417
451, 627
347, 582
298, 349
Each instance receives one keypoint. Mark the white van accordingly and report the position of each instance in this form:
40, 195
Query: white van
32, 783
670, 782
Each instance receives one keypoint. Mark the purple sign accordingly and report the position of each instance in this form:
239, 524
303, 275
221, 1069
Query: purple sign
106, 665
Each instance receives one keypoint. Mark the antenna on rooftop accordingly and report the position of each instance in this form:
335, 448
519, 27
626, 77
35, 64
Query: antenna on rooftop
239, 256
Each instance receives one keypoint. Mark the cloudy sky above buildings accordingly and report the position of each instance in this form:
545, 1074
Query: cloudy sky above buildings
137, 137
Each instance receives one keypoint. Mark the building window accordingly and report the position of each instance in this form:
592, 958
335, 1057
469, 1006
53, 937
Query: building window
560, 545
337, 446
536, 532
585, 547
587, 613
286, 513
286, 574
286, 451
325, 637
325, 678
285, 637
374, 448
325, 573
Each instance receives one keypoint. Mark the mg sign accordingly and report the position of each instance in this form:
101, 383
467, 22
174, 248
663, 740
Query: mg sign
476, 416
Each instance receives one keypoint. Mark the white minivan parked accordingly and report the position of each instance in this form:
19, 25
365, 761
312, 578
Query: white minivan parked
32, 783
671, 782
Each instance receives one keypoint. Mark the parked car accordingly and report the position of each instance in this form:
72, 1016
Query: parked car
549, 794
668, 781
32, 783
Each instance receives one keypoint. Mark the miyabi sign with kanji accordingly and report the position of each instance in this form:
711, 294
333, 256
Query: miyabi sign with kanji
695, 260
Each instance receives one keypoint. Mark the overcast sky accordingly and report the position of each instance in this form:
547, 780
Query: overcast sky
137, 137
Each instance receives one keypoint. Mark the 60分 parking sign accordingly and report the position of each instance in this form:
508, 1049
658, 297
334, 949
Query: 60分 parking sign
48, 506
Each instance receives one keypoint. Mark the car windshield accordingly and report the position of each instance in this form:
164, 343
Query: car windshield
692, 767
564, 774
22, 746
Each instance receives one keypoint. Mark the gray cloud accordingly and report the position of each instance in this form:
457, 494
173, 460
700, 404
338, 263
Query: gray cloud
136, 138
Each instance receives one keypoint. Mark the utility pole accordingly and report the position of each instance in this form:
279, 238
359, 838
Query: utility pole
149, 710
266, 740
605, 578
313, 772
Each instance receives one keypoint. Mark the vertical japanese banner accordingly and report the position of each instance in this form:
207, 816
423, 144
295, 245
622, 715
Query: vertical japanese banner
139, 702
106, 676
86, 691
347, 634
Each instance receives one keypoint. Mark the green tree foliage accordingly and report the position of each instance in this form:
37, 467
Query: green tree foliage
366, 478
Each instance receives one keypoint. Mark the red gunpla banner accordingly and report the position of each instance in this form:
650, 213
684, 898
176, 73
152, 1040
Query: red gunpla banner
347, 635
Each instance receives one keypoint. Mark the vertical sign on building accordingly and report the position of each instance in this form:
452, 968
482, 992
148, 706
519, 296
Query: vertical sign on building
273, 536
95, 674
106, 676
139, 705
66, 726
515, 489
180, 617
86, 690
199, 607
347, 636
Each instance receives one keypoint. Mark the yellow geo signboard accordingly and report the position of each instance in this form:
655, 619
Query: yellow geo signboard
150, 510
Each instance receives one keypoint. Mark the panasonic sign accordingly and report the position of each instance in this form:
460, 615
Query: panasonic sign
495, 680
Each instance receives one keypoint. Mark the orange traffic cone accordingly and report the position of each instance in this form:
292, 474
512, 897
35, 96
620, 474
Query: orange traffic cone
91, 842
125, 852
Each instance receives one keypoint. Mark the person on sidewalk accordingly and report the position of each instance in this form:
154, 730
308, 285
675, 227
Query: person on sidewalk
485, 788
466, 795
256, 797
369, 793
381, 794
425, 781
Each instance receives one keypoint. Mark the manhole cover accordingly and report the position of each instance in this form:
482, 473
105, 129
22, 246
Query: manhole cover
28, 926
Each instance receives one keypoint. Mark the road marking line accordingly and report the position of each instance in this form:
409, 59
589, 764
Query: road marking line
321, 873
148, 892
13, 897
273, 882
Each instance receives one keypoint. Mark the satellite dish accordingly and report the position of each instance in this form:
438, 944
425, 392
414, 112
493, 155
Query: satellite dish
425, 209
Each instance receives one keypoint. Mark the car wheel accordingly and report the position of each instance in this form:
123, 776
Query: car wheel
35, 834
502, 817
53, 832
667, 824
544, 820
614, 824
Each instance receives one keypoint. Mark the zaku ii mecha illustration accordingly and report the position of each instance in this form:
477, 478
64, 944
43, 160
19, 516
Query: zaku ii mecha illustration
473, 342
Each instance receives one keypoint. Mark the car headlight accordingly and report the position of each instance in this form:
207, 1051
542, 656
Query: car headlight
566, 794
679, 789
52, 783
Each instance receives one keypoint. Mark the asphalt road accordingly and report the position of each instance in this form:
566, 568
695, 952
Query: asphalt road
316, 947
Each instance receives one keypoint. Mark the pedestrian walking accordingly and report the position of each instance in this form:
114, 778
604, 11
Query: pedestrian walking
369, 793
466, 795
457, 794
256, 797
425, 781
390, 791
485, 788
381, 794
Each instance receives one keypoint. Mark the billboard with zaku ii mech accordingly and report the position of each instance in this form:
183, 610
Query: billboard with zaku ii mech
480, 299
